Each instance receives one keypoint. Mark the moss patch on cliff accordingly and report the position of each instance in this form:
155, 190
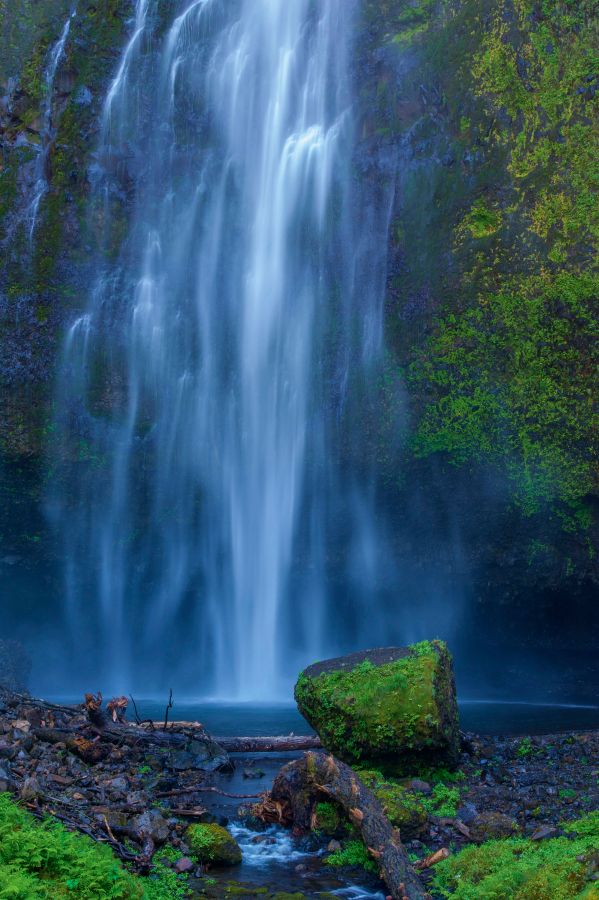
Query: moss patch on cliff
504, 370
513, 379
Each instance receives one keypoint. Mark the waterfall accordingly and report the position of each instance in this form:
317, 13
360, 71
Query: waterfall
201, 386
47, 131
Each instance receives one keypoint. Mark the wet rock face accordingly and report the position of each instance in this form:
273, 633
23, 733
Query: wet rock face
15, 666
387, 706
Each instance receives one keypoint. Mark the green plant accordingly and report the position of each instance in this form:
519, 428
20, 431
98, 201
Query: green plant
44, 860
522, 869
525, 748
354, 853
443, 801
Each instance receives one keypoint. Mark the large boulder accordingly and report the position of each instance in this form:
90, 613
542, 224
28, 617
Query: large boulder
394, 707
15, 666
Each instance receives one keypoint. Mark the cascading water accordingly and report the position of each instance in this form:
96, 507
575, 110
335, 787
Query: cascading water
203, 382
47, 132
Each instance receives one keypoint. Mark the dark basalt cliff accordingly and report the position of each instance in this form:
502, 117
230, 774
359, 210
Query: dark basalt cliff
476, 132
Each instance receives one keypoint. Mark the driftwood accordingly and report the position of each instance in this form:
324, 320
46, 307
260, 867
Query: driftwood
127, 734
300, 784
268, 744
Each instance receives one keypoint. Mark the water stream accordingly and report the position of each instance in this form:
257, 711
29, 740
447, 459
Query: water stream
203, 384
47, 132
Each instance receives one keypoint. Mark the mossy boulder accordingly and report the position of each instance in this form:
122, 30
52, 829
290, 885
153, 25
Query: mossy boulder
394, 707
213, 844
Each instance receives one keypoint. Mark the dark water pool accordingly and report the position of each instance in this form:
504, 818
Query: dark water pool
487, 717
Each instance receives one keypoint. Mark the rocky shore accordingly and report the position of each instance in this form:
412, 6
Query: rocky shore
171, 803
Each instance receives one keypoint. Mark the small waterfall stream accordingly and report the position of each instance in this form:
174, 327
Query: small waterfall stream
47, 131
203, 383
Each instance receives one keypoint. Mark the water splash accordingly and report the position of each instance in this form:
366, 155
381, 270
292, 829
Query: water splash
201, 397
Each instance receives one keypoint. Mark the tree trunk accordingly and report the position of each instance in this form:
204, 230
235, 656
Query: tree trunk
317, 776
268, 744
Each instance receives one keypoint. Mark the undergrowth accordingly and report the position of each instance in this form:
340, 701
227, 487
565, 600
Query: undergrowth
525, 870
41, 860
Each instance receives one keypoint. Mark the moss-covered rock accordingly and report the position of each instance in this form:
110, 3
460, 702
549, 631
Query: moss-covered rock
213, 844
490, 826
393, 706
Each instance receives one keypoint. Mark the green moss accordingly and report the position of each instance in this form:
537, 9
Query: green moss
402, 807
353, 853
385, 713
326, 818
412, 21
212, 843
482, 221
512, 380
522, 869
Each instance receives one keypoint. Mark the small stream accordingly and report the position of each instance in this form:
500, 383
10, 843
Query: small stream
274, 858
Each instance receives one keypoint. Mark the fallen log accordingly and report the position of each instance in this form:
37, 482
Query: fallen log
301, 783
127, 734
269, 744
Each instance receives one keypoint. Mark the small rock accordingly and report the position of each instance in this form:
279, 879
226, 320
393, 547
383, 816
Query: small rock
119, 784
7, 750
21, 725
544, 832
60, 779
301, 868
184, 865
416, 784
333, 846
151, 824
490, 826
467, 813
6, 780
30, 789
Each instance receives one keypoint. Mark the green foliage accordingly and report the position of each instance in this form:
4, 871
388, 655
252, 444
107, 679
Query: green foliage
508, 370
482, 221
412, 21
44, 860
522, 869
542, 77
513, 380
444, 801
525, 748
163, 883
326, 818
353, 853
